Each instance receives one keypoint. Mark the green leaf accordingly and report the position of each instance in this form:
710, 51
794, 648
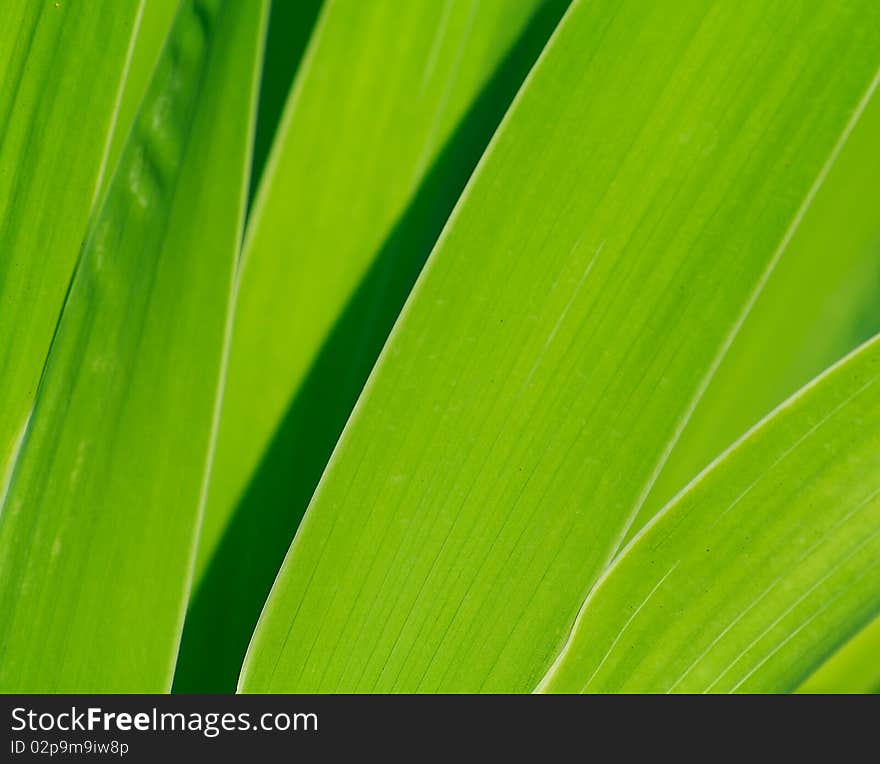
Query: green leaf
290, 28
57, 109
393, 108
97, 532
648, 178
819, 304
156, 21
763, 566
855, 668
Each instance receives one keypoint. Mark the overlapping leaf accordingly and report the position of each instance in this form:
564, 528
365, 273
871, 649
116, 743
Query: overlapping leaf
854, 668
652, 173
761, 568
97, 531
152, 32
391, 111
819, 304
57, 111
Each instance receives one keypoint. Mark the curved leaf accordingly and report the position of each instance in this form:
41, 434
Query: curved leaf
819, 304
756, 572
391, 111
648, 178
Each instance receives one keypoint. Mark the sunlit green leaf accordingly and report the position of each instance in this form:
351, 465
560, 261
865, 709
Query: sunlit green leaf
390, 113
651, 174
152, 33
98, 528
855, 668
290, 28
822, 301
763, 566
57, 110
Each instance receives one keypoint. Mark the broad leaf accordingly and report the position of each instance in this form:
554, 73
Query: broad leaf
763, 566
391, 111
97, 532
649, 177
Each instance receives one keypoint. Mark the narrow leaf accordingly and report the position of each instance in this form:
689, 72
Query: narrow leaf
57, 110
158, 15
391, 112
97, 533
647, 180
290, 28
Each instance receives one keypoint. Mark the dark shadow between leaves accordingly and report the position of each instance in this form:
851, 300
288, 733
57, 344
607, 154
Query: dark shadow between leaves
290, 26
225, 608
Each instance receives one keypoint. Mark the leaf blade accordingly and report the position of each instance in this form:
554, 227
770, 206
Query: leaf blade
47, 86
333, 284
153, 30
448, 547
760, 568
98, 530
852, 669
814, 310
